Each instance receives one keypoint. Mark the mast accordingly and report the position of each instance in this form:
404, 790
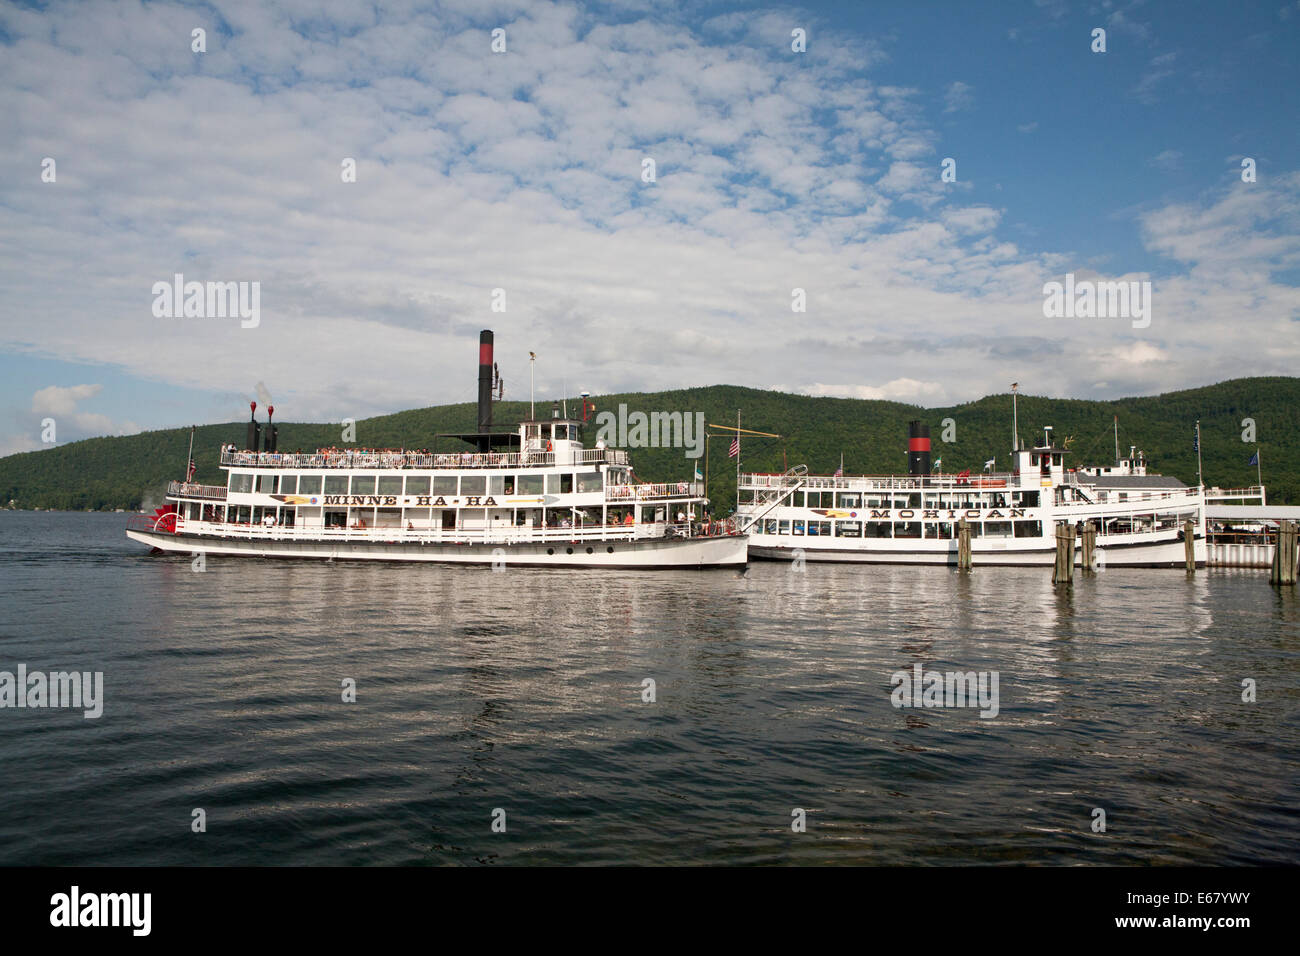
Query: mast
1015, 418
1116, 439
1200, 478
532, 404
738, 459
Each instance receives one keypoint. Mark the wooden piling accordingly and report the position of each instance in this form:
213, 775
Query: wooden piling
1063, 569
963, 545
1189, 544
1284, 555
1089, 562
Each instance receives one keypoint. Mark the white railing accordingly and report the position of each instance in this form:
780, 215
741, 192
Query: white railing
882, 483
654, 492
502, 536
187, 489
457, 461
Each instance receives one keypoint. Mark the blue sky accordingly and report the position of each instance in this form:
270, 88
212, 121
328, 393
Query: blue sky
522, 170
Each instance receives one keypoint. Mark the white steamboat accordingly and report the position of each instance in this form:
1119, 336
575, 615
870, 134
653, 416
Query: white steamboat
532, 497
1141, 520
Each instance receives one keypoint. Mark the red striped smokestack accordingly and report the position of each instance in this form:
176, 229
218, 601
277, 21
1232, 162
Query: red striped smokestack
485, 381
918, 448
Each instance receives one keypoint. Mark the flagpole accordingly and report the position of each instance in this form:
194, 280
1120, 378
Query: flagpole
1259, 470
189, 458
1200, 478
738, 460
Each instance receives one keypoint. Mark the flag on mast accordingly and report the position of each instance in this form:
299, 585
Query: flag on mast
735, 448
839, 472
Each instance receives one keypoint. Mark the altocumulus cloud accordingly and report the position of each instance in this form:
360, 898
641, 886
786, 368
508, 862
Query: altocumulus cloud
522, 171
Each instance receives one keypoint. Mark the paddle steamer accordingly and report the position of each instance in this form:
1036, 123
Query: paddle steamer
1141, 519
535, 496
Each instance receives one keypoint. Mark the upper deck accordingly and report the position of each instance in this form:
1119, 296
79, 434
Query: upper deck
452, 461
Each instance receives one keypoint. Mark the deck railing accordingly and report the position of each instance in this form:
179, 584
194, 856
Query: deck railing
456, 461
397, 535
187, 489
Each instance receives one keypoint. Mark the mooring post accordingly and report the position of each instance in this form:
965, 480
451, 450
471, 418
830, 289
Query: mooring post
1284, 555
963, 545
1063, 570
1089, 561
1189, 544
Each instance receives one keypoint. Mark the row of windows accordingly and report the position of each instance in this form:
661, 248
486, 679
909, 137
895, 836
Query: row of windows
952, 500
444, 485
902, 529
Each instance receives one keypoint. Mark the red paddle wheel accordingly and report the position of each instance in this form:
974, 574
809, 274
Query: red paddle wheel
164, 519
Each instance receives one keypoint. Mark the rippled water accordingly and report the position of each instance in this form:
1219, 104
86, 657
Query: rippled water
522, 690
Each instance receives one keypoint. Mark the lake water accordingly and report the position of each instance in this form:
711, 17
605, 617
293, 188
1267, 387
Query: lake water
523, 691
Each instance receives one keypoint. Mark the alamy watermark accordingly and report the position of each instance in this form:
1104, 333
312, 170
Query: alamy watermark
1086, 299
73, 689
922, 688
179, 299
656, 430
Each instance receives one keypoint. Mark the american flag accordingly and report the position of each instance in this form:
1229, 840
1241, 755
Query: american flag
189, 472
735, 448
839, 472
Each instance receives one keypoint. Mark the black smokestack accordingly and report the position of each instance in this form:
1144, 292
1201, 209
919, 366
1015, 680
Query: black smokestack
254, 429
918, 448
484, 381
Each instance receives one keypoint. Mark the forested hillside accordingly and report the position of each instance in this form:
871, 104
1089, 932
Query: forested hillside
132, 471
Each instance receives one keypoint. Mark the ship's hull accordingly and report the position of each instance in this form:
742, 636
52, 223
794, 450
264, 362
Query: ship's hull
1155, 554
729, 551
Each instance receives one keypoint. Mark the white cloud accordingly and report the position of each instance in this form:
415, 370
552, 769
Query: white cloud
522, 171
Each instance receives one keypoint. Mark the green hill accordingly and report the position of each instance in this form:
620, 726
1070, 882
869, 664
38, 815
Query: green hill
132, 471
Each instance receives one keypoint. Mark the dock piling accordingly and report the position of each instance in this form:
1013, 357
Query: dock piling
1063, 569
1089, 561
1284, 555
963, 545
1189, 545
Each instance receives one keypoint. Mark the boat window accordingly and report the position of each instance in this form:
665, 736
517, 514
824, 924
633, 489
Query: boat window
363, 484
552, 484
850, 500
390, 484
878, 529
417, 485
907, 529
336, 484
288, 484
241, 481
309, 484
473, 484
769, 526
797, 527
590, 481
997, 529
510, 484
1028, 529
444, 484
812, 499
1028, 499
531, 485
266, 484
784, 526
496, 485
820, 527
561, 431
945, 529
848, 529
336, 519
